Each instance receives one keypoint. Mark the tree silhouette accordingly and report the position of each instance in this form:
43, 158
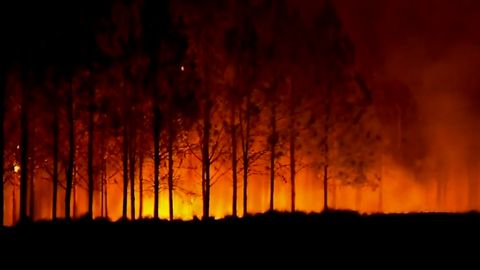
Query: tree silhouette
142, 95
91, 139
24, 123
155, 21
2, 145
240, 47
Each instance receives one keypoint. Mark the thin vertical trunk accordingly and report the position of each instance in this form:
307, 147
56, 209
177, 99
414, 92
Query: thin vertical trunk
71, 155
326, 149
203, 186
292, 149
91, 131
31, 182
234, 158
132, 173
171, 137
74, 195
126, 139
140, 181
206, 159
2, 117
273, 144
292, 173
55, 131
156, 150
325, 186
246, 151
102, 196
103, 175
106, 190
24, 157
125, 169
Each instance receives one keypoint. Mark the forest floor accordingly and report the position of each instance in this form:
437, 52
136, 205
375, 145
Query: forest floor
285, 234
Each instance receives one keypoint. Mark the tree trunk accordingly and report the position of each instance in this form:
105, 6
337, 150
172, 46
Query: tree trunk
156, 149
246, 157
106, 190
140, 180
31, 175
132, 173
325, 187
234, 158
71, 155
203, 185
74, 194
292, 149
273, 144
206, 159
125, 169
103, 174
171, 137
292, 171
91, 130
55, 130
326, 149
24, 156
2, 117
102, 196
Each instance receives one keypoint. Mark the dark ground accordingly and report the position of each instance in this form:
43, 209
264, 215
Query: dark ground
271, 237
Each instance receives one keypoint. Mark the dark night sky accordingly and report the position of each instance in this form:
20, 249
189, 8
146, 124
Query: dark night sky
403, 34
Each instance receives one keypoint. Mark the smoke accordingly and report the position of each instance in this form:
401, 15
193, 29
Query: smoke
433, 47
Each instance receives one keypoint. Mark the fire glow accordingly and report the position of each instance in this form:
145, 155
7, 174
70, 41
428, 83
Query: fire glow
218, 106
400, 195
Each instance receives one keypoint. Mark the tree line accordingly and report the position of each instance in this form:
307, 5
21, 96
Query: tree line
91, 91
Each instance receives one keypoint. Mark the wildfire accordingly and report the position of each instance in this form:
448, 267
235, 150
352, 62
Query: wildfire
16, 168
400, 193
185, 110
